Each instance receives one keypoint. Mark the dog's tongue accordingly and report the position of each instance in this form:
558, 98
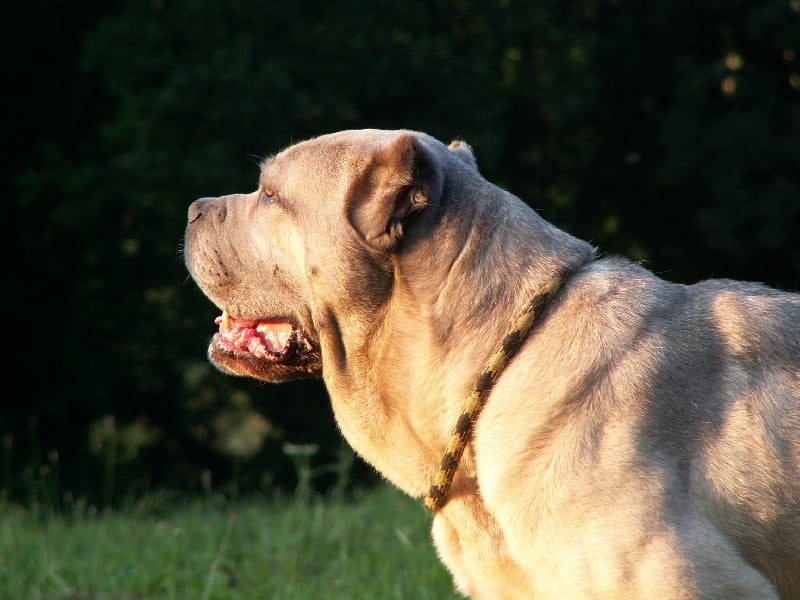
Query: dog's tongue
260, 338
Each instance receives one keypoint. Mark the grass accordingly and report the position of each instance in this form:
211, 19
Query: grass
376, 545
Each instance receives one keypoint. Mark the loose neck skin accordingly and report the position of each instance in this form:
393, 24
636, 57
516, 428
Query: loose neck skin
398, 392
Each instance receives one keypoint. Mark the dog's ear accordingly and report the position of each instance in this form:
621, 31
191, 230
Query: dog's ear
462, 150
399, 179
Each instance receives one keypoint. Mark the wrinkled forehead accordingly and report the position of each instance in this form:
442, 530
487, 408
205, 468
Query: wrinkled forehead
326, 164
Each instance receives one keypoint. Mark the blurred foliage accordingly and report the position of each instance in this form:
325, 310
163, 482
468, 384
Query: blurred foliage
668, 132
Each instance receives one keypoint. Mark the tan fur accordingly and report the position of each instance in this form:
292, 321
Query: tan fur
645, 441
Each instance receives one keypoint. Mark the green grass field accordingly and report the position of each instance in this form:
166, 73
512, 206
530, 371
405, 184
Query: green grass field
376, 545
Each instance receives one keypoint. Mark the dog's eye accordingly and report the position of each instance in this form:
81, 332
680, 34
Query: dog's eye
267, 195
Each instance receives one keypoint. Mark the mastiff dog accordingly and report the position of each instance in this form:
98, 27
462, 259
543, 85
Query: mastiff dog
578, 427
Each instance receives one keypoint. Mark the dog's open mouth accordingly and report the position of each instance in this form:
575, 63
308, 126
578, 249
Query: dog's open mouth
268, 340
265, 349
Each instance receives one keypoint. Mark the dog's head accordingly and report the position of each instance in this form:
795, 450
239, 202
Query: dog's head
312, 249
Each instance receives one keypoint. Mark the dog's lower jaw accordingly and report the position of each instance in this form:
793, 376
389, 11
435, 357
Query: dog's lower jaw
302, 363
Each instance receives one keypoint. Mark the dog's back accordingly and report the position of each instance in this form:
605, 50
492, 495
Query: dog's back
657, 406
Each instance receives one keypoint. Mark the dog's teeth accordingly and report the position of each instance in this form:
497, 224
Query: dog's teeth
225, 322
276, 335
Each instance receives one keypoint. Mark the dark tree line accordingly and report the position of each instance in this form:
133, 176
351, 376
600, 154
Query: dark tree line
669, 132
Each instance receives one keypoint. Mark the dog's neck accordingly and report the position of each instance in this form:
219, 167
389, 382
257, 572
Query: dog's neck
522, 326
398, 391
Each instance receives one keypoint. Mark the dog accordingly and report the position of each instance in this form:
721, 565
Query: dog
641, 441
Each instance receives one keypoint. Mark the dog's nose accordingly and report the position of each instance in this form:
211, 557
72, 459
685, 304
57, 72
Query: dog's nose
196, 209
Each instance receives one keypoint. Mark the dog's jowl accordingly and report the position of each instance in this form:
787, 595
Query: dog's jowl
590, 430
